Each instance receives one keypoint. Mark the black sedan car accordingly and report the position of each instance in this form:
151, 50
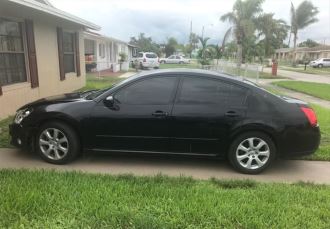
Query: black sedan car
189, 112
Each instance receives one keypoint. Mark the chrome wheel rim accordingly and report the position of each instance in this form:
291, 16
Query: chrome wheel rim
54, 144
252, 153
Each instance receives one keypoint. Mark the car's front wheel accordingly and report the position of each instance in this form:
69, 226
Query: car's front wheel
320, 65
57, 143
252, 152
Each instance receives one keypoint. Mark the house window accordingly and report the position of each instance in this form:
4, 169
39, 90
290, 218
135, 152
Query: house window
102, 50
12, 53
69, 52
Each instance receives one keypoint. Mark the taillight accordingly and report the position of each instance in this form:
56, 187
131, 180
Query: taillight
310, 115
144, 60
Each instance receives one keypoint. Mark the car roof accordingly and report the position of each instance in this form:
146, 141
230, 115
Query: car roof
184, 71
181, 72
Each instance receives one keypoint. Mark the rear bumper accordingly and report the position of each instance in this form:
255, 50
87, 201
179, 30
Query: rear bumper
150, 65
300, 142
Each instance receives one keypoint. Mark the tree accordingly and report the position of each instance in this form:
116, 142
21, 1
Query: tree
171, 46
219, 49
308, 43
193, 40
205, 54
273, 31
243, 18
301, 17
145, 44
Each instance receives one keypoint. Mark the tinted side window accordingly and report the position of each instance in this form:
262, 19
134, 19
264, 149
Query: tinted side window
198, 90
154, 91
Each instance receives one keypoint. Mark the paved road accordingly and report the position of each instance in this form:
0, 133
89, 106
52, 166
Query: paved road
200, 168
302, 76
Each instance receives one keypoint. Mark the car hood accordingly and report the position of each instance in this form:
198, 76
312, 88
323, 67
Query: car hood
64, 98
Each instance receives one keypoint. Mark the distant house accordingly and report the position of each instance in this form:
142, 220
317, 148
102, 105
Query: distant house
41, 52
303, 53
103, 52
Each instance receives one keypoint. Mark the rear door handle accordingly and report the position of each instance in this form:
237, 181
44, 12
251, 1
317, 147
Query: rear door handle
231, 114
160, 114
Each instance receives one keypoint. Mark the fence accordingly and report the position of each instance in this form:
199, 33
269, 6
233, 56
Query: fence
250, 71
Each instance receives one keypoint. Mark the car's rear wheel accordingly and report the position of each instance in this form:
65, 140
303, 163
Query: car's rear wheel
320, 65
252, 152
57, 143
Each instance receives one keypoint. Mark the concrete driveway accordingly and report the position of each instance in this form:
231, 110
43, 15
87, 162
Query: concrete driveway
301, 76
199, 168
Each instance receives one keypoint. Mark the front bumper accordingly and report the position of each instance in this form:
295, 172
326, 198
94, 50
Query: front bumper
21, 136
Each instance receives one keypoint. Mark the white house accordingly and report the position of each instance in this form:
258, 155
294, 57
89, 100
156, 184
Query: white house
41, 52
103, 52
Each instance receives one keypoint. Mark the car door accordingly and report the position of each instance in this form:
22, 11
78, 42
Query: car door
204, 112
139, 119
171, 59
177, 59
327, 62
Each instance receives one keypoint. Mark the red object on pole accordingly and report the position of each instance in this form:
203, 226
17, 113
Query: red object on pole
274, 68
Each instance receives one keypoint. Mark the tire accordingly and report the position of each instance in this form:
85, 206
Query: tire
320, 65
180, 62
141, 66
60, 148
241, 146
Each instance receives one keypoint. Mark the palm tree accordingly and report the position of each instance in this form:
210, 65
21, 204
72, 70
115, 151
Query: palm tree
243, 18
301, 17
203, 42
219, 49
273, 31
204, 52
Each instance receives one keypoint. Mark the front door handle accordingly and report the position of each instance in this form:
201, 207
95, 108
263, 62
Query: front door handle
160, 114
231, 114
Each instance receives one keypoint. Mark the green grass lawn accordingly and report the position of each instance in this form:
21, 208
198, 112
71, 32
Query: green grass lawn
323, 115
94, 82
309, 70
318, 90
45, 199
4, 133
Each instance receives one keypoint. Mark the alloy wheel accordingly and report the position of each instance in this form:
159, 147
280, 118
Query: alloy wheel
252, 153
53, 144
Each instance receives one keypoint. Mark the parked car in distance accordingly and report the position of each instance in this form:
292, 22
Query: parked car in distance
187, 112
320, 63
174, 59
146, 60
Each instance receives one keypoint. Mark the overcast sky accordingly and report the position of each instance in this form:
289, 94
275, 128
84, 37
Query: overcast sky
171, 18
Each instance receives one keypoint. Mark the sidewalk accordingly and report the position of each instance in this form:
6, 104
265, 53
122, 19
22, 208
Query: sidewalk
199, 168
301, 76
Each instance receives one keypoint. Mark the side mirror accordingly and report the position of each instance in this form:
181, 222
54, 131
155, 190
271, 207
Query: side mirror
109, 101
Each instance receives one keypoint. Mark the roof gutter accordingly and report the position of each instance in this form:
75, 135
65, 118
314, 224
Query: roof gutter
56, 12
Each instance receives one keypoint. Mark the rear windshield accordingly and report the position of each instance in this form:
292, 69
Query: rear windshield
151, 55
140, 54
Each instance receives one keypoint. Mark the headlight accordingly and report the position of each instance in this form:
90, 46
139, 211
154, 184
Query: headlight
21, 114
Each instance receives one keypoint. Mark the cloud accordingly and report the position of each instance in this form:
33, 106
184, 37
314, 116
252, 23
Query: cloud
171, 18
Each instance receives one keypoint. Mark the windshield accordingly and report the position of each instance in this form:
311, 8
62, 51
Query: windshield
90, 95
